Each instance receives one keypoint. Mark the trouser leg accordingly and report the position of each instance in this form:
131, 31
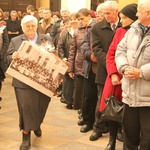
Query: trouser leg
145, 128
99, 124
131, 128
90, 99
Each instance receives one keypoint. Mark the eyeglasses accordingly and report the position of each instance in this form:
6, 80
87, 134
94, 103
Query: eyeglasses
30, 26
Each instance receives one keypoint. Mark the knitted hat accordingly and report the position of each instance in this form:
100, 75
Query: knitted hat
130, 11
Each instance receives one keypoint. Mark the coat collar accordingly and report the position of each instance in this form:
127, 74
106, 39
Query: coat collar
105, 24
39, 39
92, 21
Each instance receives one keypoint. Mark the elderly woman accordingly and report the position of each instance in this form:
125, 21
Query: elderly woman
32, 104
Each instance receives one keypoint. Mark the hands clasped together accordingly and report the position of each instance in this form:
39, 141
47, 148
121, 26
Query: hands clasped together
132, 73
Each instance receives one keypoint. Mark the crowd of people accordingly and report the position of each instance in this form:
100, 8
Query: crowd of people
104, 49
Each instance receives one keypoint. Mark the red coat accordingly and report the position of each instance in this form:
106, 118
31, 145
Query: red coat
111, 69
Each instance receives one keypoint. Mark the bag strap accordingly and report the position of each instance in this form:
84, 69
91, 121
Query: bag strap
112, 90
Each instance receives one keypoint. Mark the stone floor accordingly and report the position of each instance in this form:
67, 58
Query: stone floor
60, 129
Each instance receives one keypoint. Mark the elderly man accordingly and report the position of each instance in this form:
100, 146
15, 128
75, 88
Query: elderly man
133, 61
30, 117
99, 12
102, 34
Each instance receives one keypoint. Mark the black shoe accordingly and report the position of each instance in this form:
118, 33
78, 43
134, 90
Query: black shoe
38, 133
111, 145
119, 136
95, 136
69, 106
85, 128
63, 101
25, 141
80, 122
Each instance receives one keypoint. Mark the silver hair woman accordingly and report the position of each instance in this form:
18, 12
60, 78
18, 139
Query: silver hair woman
32, 104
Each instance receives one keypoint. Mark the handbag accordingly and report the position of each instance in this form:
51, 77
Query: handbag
113, 109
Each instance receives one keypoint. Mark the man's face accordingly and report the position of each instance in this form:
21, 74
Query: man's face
40, 13
143, 15
84, 20
99, 15
65, 13
111, 15
46, 14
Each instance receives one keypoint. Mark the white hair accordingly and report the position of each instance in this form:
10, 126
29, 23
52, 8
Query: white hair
13, 11
111, 4
100, 7
145, 4
64, 8
28, 18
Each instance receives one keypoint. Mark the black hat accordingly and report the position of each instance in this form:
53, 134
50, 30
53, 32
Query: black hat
130, 11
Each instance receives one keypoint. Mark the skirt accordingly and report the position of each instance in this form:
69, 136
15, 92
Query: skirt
32, 106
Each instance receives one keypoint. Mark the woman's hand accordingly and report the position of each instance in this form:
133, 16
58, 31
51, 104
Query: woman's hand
115, 79
66, 61
93, 58
15, 55
71, 75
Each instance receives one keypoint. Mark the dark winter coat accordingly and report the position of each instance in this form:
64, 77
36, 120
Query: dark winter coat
102, 35
3, 50
64, 44
55, 32
75, 56
47, 29
112, 69
13, 26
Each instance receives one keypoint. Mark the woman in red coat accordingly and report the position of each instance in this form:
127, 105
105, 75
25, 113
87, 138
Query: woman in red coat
128, 16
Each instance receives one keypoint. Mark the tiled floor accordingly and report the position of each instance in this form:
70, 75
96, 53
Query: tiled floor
60, 129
